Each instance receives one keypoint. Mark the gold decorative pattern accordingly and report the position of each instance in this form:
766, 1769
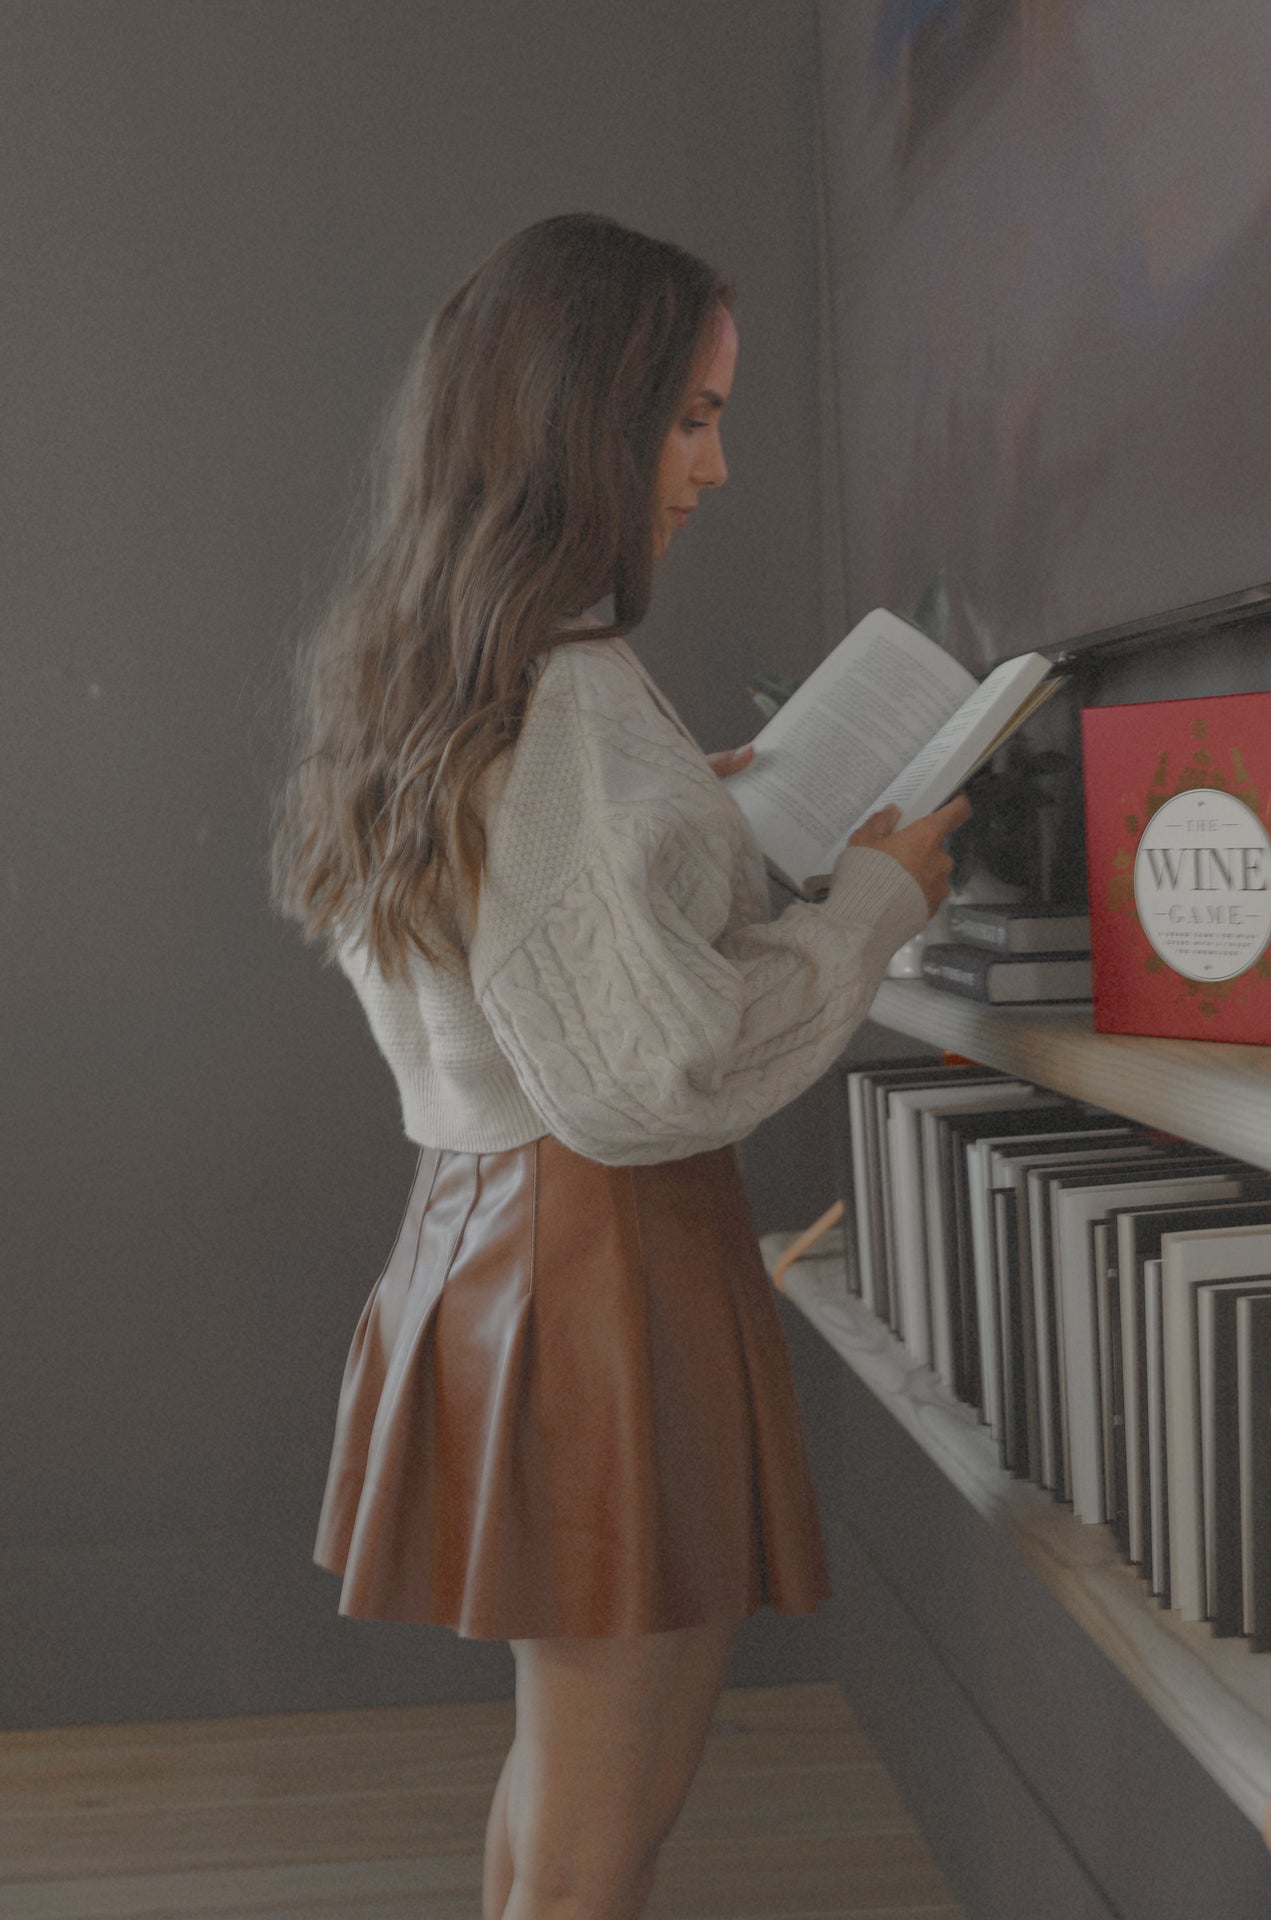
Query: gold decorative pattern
1200, 771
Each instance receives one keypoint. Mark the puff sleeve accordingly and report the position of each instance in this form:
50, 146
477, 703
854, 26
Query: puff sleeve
623, 956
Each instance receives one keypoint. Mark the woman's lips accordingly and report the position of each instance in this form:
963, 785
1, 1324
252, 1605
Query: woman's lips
682, 513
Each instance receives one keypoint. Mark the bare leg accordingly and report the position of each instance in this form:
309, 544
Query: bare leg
496, 1880
609, 1736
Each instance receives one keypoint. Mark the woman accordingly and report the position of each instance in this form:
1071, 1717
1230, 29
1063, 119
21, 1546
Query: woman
567, 1418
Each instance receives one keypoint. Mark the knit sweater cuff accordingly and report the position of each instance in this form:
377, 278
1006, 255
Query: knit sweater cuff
871, 889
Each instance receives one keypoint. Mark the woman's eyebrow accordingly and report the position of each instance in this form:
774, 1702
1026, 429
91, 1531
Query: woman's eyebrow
711, 398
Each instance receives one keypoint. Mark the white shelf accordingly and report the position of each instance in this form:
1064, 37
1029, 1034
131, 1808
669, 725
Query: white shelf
1214, 1694
1216, 1094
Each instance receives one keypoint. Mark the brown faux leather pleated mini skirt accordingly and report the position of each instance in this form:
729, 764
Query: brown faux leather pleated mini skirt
568, 1407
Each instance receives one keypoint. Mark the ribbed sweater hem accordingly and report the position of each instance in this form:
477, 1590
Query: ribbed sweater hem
507, 1120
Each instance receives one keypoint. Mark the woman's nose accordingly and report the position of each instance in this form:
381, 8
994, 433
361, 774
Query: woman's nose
712, 470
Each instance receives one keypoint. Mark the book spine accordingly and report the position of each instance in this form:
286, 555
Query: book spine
1015, 931
958, 969
1079, 1365
981, 928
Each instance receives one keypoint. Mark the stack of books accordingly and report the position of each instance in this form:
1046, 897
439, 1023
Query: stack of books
1100, 1293
1012, 954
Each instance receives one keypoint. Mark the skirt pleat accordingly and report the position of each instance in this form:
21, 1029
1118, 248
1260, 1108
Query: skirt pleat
568, 1407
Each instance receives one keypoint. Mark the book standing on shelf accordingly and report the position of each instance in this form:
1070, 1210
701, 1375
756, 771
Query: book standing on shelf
1064, 1274
858, 1175
1075, 1207
1178, 811
1134, 1237
1084, 1282
1022, 1171
881, 1088
1010, 1277
1253, 1345
907, 1111
951, 1144
887, 718
969, 1305
1220, 1448
1157, 1511
871, 1183
1189, 1261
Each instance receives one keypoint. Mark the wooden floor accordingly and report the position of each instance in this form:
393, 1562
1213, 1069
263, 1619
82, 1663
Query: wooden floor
381, 1815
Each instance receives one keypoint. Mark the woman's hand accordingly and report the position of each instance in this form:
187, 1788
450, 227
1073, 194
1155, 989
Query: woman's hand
920, 847
732, 760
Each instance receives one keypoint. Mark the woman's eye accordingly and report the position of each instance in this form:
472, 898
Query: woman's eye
692, 425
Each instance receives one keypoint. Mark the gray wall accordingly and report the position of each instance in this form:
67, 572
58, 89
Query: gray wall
223, 226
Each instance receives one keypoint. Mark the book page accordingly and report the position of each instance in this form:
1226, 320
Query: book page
853, 725
1000, 703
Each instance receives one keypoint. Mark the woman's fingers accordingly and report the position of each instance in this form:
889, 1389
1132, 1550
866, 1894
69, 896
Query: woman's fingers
953, 814
731, 760
877, 827
919, 847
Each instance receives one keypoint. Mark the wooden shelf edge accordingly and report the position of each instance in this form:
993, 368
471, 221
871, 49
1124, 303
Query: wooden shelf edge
1214, 1695
1216, 1094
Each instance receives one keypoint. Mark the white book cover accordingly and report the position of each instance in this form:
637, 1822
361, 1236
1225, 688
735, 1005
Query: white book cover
1188, 1261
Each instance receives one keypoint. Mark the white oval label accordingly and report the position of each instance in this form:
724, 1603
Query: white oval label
1202, 884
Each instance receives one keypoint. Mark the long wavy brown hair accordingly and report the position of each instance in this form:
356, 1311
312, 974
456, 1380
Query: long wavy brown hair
515, 491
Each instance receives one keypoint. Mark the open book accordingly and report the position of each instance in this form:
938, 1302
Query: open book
888, 718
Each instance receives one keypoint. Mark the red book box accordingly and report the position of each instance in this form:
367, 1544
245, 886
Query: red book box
1178, 843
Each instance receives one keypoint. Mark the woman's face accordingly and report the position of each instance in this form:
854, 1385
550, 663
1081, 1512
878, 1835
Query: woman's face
692, 456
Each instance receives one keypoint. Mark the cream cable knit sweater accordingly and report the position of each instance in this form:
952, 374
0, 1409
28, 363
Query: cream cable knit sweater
623, 986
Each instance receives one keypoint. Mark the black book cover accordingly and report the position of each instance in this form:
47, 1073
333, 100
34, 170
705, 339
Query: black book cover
1255, 1383
1012, 1442
977, 973
1019, 926
1226, 1586
1156, 1553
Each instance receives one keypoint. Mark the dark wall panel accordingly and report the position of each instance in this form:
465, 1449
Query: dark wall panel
223, 229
